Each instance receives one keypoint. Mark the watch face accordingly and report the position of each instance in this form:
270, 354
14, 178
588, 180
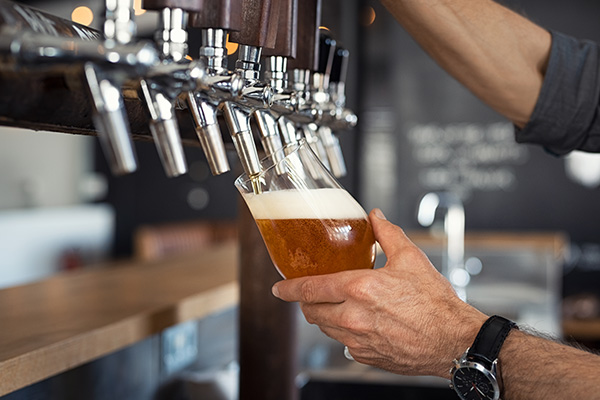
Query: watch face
475, 383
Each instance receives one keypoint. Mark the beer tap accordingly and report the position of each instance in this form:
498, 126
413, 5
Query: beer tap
161, 91
216, 19
342, 117
302, 66
258, 31
112, 60
104, 83
329, 97
321, 95
273, 123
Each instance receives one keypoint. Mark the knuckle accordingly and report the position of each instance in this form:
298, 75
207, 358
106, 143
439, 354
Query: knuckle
361, 287
307, 291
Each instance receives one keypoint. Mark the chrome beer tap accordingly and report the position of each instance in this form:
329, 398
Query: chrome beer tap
273, 123
113, 60
257, 31
340, 117
216, 19
301, 123
322, 98
204, 104
254, 94
335, 115
108, 61
104, 84
283, 103
160, 91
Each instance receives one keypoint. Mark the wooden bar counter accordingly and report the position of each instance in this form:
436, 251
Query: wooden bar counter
62, 322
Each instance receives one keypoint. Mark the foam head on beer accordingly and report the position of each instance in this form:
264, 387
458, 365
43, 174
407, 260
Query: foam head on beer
313, 232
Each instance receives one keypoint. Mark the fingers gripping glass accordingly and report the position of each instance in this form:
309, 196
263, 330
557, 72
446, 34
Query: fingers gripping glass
310, 224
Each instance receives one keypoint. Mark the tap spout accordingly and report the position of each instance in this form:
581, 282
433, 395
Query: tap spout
110, 119
454, 232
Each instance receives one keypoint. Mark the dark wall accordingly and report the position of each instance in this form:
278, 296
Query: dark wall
148, 197
422, 131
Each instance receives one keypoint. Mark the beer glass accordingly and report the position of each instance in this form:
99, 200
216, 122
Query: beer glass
310, 224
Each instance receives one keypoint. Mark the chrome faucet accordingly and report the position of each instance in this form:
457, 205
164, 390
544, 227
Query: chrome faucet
104, 86
453, 266
254, 95
161, 92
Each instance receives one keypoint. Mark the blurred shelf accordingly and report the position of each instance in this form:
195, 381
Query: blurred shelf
582, 329
57, 324
554, 242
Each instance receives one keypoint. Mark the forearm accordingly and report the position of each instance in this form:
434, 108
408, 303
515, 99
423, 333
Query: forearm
496, 53
534, 368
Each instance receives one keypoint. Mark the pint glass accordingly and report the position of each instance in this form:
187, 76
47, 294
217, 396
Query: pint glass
310, 224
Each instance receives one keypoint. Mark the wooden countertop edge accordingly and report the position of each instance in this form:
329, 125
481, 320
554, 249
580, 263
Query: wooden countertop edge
51, 359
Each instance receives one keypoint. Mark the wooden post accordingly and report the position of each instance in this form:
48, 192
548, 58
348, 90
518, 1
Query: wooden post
267, 325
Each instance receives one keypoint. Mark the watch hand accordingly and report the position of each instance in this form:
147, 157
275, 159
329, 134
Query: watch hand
477, 391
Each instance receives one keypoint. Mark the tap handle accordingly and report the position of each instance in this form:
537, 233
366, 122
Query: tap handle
259, 23
327, 47
287, 31
119, 22
337, 84
309, 19
218, 14
339, 66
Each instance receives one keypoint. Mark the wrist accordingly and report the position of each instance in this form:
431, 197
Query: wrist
478, 370
463, 336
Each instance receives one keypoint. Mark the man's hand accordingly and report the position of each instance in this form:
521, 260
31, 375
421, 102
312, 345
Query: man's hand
404, 317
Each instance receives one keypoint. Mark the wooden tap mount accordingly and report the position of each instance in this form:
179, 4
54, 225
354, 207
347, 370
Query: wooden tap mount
218, 14
287, 31
259, 23
309, 19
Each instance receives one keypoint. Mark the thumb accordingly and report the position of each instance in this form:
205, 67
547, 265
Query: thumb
391, 238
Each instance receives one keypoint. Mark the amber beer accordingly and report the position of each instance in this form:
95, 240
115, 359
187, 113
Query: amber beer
313, 232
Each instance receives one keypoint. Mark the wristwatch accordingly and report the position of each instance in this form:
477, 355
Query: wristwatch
476, 375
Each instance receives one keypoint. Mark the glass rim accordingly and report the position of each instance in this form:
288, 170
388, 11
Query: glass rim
244, 178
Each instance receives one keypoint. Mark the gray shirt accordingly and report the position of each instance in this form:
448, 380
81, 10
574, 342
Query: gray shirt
566, 115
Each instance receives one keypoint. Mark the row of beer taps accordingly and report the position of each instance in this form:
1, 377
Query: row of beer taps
274, 108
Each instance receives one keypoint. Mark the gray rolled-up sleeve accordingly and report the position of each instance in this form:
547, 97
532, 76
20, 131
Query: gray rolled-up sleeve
566, 116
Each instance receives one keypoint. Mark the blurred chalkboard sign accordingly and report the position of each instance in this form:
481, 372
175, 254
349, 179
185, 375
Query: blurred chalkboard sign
421, 131
463, 157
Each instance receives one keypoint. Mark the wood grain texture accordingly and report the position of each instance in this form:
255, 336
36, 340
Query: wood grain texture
223, 14
309, 19
268, 334
65, 321
259, 23
287, 30
58, 102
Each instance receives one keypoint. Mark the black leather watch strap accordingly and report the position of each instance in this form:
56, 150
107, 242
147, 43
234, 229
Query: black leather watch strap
489, 340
